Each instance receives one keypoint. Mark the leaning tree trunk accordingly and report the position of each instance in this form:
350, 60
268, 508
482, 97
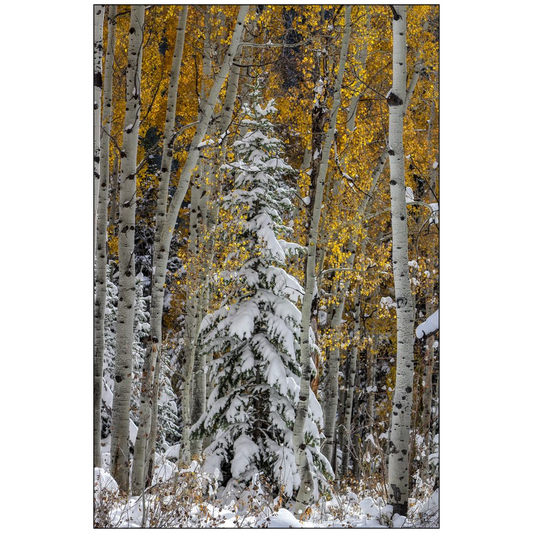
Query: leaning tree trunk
97, 57
165, 228
101, 235
148, 401
120, 455
306, 485
209, 207
398, 482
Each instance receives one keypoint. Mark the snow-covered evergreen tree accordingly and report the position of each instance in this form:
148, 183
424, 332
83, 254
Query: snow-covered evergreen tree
255, 337
141, 329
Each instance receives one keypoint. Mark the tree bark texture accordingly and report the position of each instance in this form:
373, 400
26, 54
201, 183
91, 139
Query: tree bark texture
101, 235
99, 11
120, 454
398, 481
350, 393
153, 352
331, 389
166, 223
305, 490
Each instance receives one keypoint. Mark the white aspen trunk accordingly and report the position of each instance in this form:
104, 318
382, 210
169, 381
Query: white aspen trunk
148, 401
195, 376
350, 394
167, 227
331, 390
429, 360
192, 323
113, 200
120, 455
305, 490
101, 235
211, 218
97, 57
382, 159
398, 481
361, 58
167, 223
427, 392
376, 174
157, 318
371, 401
205, 117
152, 439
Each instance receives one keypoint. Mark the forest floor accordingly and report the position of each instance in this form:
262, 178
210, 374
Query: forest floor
193, 499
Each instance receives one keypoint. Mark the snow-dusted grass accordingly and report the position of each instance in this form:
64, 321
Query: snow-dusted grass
191, 498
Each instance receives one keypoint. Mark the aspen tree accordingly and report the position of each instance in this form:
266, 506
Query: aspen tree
166, 218
120, 454
97, 58
166, 228
151, 362
305, 492
429, 358
210, 208
101, 233
361, 56
398, 481
194, 396
349, 403
331, 389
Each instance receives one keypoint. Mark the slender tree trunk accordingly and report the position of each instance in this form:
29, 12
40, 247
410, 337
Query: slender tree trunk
101, 235
351, 392
113, 200
195, 376
98, 53
166, 224
120, 455
305, 491
149, 463
398, 482
429, 359
371, 399
151, 360
203, 389
361, 60
192, 321
331, 389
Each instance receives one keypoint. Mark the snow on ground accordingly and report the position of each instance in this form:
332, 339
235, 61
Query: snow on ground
341, 511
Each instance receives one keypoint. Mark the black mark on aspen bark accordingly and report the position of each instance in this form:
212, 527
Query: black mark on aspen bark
394, 100
395, 14
98, 82
393, 182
